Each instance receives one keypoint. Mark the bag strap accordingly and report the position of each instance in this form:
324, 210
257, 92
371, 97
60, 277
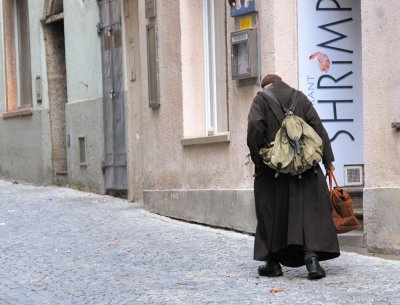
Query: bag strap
294, 101
332, 176
293, 98
275, 99
268, 93
279, 116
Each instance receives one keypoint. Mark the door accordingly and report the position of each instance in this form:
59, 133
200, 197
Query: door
115, 167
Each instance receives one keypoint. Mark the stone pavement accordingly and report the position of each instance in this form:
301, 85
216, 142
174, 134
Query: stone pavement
61, 246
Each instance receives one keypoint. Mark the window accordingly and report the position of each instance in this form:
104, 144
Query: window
82, 150
152, 67
214, 43
17, 54
204, 70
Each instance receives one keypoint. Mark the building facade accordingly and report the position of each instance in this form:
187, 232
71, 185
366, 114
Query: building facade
189, 154
152, 98
52, 104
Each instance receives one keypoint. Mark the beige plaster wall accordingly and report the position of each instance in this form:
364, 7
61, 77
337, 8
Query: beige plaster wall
278, 30
163, 127
381, 87
285, 38
381, 82
134, 100
166, 163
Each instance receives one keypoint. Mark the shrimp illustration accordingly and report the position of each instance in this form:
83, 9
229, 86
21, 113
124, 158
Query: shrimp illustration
323, 59
232, 3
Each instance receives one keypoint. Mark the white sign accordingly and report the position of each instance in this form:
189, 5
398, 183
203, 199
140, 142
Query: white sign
329, 41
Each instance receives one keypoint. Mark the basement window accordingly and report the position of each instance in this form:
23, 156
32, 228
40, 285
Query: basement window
152, 66
17, 56
82, 151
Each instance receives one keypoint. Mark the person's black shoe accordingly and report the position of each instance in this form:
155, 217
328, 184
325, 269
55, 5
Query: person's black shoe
271, 269
315, 271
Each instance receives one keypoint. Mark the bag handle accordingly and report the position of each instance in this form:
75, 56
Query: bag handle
332, 176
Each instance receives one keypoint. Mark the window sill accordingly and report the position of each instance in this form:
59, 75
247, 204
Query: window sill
219, 138
17, 113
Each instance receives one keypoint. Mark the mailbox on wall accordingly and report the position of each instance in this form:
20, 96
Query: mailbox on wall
244, 54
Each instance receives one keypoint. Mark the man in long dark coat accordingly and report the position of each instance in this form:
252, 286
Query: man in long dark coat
294, 226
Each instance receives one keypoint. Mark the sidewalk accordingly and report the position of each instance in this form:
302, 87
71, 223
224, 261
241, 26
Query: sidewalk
61, 246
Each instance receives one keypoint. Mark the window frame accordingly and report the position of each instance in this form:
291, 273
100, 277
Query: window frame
19, 85
214, 52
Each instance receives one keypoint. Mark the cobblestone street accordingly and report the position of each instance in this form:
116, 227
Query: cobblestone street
61, 246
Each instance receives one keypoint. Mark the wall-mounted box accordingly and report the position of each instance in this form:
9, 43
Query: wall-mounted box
150, 8
244, 54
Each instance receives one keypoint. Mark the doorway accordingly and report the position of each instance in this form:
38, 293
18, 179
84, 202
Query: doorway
57, 87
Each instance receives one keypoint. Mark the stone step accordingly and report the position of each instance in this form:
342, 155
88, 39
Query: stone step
354, 239
60, 178
360, 216
356, 194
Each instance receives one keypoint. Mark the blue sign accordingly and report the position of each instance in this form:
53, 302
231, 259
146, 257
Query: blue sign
243, 7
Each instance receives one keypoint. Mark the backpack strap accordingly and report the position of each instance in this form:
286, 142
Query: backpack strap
275, 99
293, 98
274, 106
294, 101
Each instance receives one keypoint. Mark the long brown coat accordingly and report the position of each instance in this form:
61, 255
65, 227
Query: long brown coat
292, 213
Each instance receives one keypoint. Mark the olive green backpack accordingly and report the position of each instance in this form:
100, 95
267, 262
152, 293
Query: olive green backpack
297, 147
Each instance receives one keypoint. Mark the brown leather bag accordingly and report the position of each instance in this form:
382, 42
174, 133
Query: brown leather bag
342, 208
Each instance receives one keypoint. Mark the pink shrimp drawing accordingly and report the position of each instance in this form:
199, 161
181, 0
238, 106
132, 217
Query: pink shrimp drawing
323, 59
